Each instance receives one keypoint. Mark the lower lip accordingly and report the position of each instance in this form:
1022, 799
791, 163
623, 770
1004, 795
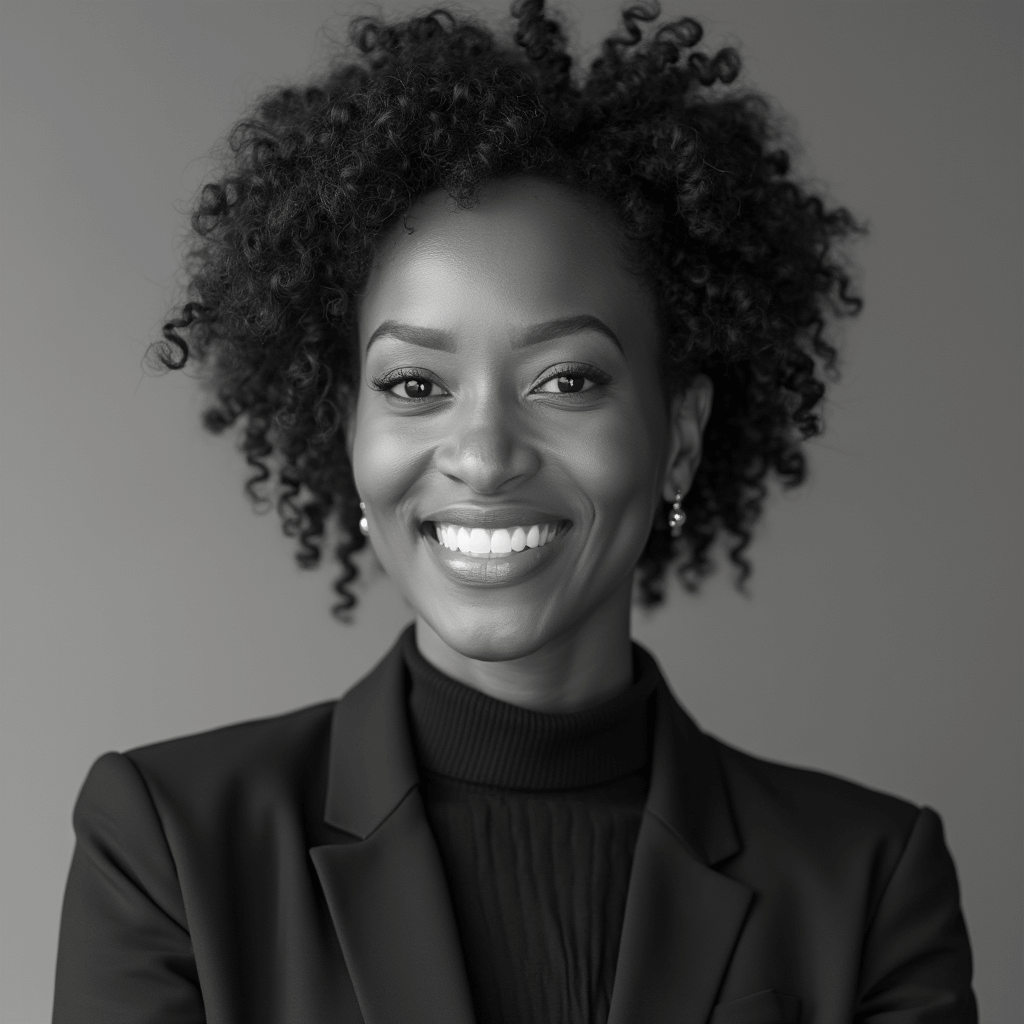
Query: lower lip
494, 570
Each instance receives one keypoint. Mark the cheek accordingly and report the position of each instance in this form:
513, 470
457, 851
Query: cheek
617, 462
384, 462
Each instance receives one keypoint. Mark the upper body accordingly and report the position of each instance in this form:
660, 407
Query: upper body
285, 870
533, 340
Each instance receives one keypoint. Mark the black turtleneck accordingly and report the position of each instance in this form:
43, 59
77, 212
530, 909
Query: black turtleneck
536, 816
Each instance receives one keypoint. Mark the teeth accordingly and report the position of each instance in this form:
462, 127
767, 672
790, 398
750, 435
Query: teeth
494, 542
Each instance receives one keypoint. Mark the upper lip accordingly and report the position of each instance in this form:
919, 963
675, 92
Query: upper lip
493, 517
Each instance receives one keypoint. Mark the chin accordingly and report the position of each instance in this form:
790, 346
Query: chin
481, 635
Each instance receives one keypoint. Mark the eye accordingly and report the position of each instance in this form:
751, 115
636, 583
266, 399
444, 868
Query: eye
407, 385
567, 384
414, 387
572, 380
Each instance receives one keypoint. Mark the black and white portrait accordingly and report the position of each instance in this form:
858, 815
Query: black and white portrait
511, 512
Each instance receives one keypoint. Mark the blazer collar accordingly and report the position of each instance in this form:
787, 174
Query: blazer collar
385, 886
687, 791
371, 765
683, 917
384, 883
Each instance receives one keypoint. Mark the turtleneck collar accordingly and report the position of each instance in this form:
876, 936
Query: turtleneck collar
461, 733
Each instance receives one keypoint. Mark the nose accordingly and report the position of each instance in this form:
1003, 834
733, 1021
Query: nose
488, 448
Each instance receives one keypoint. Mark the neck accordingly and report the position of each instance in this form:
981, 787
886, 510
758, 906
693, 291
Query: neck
578, 669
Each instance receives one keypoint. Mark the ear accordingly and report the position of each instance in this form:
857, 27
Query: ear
688, 416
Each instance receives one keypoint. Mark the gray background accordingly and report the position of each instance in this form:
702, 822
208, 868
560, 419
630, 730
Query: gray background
141, 599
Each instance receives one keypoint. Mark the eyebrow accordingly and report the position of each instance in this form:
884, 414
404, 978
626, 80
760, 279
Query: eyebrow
433, 337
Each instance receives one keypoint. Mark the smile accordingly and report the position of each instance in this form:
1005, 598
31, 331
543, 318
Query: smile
481, 543
493, 558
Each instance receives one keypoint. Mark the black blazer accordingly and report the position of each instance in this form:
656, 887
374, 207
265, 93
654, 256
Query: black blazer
283, 870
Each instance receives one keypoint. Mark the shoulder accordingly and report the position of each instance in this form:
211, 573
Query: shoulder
816, 822
274, 760
760, 786
247, 747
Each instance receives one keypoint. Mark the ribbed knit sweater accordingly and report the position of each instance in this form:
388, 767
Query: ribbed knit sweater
536, 816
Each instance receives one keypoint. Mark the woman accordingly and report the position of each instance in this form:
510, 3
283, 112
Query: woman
534, 339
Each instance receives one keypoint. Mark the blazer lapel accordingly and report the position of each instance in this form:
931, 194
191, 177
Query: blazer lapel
384, 883
682, 918
383, 879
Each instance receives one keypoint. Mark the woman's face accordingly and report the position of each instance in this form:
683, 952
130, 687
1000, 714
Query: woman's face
511, 437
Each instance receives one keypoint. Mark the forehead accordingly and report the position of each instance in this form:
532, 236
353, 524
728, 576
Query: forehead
527, 244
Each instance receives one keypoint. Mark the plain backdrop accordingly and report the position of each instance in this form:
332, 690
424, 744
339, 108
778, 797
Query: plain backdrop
142, 598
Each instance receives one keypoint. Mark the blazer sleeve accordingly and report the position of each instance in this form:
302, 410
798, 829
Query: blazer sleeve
124, 952
916, 966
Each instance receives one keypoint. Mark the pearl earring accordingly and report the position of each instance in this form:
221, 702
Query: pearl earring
676, 515
364, 526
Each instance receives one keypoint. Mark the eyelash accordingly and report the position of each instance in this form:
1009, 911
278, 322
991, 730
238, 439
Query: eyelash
387, 381
599, 378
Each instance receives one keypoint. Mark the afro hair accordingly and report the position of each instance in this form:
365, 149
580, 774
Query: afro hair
745, 262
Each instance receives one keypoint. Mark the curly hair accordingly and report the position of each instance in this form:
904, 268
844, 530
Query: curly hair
744, 261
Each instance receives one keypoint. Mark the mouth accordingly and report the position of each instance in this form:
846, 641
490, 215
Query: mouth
508, 555
505, 542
